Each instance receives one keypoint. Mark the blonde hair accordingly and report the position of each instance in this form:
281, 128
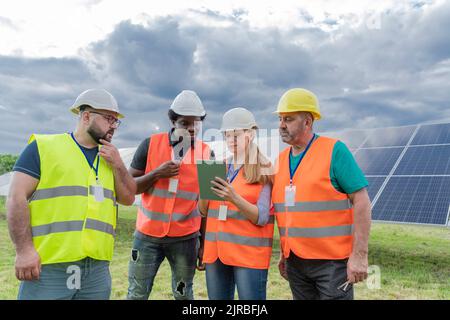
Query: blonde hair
257, 167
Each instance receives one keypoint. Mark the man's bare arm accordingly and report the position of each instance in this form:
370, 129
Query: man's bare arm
18, 214
146, 181
358, 262
124, 184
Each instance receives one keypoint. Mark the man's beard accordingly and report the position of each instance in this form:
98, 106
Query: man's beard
96, 134
289, 135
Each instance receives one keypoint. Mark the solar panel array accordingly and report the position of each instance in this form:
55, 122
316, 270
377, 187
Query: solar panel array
408, 170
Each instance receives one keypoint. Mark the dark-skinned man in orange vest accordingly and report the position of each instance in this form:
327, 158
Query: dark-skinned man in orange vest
168, 220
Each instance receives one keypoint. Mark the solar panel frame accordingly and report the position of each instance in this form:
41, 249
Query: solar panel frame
375, 183
432, 134
353, 139
411, 215
384, 160
378, 161
389, 137
425, 160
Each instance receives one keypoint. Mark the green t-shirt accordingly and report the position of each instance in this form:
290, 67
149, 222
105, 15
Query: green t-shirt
345, 174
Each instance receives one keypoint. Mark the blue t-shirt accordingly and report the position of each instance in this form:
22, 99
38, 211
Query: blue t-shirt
345, 174
29, 161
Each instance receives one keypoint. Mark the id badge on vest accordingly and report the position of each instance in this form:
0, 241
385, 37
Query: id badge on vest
173, 185
223, 212
289, 196
98, 192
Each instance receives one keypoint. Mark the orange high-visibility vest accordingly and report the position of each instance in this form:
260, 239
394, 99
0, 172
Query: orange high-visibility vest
320, 224
164, 213
237, 241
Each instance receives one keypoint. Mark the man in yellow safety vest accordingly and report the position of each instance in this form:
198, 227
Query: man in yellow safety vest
62, 205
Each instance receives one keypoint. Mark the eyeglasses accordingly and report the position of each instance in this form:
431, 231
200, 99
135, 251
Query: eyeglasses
111, 120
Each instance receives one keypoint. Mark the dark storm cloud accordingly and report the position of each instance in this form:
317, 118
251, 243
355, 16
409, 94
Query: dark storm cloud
156, 58
395, 71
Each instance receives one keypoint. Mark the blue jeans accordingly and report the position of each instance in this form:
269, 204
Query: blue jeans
147, 256
87, 279
221, 281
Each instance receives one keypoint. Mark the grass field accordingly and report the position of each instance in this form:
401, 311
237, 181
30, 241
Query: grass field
414, 262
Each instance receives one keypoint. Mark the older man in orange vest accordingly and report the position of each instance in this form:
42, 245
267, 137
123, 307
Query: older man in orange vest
321, 204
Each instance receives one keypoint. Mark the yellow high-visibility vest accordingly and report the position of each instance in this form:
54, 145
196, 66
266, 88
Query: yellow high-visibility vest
67, 222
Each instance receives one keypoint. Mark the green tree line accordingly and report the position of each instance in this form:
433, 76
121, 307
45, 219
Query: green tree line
7, 162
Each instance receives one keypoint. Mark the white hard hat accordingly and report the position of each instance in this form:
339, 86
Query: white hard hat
187, 103
238, 118
97, 99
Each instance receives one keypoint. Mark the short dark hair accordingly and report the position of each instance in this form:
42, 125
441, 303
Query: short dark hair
84, 107
173, 116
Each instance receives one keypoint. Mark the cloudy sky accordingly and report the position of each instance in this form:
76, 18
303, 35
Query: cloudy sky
371, 63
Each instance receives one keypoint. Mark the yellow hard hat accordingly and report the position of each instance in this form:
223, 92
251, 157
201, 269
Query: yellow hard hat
299, 99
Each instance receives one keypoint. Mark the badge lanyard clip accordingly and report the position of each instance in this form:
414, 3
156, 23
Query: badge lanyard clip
97, 190
292, 173
290, 191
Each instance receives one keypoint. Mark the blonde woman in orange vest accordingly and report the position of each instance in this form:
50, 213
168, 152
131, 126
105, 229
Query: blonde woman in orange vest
321, 205
239, 228
168, 221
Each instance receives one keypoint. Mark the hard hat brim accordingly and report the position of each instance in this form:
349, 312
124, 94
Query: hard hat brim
190, 114
243, 128
76, 110
316, 116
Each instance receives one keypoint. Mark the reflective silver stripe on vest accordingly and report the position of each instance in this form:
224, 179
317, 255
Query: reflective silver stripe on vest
74, 225
162, 193
182, 217
214, 213
100, 226
233, 238
63, 226
314, 206
334, 231
65, 191
108, 194
68, 191
178, 217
